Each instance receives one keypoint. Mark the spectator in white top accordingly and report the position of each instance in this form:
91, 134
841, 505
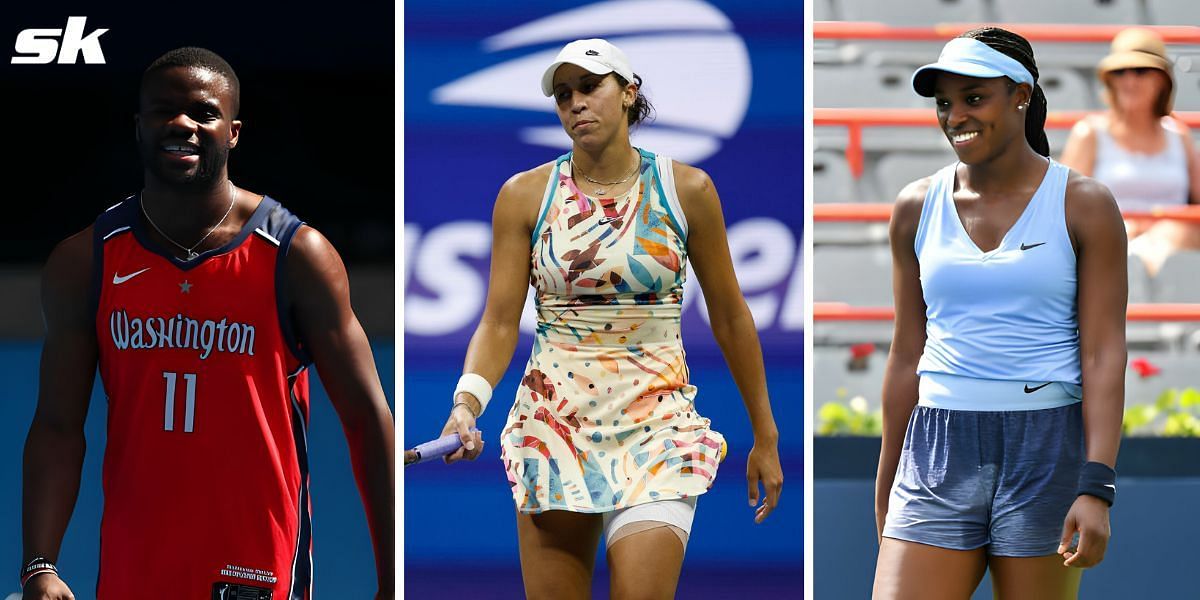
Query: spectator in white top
1136, 148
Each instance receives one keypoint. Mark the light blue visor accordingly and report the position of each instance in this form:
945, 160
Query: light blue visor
972, 58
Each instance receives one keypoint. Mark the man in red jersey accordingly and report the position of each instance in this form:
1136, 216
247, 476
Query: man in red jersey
202, 304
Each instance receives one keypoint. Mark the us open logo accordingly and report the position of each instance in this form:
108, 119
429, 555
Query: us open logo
41, 46
696, 71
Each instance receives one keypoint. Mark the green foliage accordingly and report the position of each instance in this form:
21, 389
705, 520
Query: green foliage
1137, 417
849, 418
1175, 413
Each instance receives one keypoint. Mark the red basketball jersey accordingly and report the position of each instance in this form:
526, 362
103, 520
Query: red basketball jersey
206, 469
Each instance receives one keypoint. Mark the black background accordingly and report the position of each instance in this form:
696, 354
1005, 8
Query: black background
317, 110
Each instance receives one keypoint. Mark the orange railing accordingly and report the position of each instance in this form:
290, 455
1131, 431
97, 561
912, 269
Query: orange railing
855, 119
876, 212
1034, 32
839, 311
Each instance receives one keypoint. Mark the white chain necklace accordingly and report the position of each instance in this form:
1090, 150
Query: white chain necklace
600, 192
191, 252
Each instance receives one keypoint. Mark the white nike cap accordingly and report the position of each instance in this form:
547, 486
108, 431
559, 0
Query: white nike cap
596, 55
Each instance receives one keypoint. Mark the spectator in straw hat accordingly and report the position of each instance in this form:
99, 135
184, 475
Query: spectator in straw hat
1136, 148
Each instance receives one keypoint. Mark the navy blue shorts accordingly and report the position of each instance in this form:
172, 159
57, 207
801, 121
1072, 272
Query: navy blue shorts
1001, 479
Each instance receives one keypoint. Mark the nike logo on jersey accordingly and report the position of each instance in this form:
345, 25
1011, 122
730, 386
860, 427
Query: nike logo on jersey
1028, 246
119, 279
607, 220
1030, 390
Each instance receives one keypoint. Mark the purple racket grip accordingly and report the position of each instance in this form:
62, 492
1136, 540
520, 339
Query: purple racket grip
438, 448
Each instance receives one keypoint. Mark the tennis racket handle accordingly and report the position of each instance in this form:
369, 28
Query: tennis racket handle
440, 447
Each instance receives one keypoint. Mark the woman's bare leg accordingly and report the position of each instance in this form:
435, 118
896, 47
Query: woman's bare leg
646, 564
908, 570
558, 554
1036, 578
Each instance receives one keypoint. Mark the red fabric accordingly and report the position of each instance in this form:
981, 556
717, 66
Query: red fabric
183, 510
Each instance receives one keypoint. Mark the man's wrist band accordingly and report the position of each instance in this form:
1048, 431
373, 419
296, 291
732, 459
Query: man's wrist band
1099, 480
474, 385
36, 567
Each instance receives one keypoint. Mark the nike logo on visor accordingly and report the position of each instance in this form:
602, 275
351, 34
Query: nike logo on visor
1030, 390
119, 279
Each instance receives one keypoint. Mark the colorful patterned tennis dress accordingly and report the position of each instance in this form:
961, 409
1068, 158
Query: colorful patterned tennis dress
605, 415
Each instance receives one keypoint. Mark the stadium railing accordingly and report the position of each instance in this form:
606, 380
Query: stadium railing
856, 119
1034, 32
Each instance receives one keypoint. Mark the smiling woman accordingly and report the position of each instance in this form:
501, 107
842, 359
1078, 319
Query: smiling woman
1008, 351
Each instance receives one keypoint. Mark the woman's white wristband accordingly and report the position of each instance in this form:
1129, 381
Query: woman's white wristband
477, 386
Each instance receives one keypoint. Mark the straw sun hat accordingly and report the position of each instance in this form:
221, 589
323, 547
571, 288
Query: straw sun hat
1139, 48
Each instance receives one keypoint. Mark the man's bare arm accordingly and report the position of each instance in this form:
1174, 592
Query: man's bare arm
339, 347
55, 445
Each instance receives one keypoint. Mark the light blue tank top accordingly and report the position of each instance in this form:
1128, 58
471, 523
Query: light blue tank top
1009, 314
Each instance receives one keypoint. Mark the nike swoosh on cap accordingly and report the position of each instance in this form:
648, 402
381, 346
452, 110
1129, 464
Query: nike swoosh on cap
119, 279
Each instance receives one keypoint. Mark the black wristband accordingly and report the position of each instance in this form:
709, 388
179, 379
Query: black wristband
37, 566
1099, 480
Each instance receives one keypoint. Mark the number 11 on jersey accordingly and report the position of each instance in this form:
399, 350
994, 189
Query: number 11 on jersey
189, 402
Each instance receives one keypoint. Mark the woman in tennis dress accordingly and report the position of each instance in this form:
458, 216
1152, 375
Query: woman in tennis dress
604, 435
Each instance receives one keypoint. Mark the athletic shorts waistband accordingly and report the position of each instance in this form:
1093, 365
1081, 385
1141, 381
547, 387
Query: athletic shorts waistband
955, 392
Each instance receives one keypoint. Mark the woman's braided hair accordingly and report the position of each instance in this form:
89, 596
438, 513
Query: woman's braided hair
1018, 48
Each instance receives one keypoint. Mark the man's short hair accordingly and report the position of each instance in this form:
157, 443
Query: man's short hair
199, 58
